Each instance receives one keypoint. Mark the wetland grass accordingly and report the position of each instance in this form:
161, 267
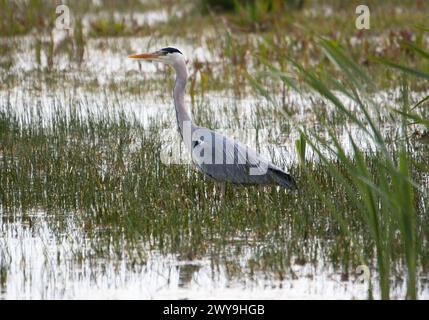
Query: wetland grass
97, 182
106, 174
383, 190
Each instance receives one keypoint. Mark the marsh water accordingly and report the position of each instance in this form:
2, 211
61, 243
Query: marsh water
49, 253
44, 266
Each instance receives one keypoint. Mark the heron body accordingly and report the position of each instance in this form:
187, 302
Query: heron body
219, 157
237, 163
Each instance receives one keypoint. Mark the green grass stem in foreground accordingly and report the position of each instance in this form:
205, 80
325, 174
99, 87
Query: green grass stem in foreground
383, 191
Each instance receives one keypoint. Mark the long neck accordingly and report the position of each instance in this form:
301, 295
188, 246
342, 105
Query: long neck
182, 114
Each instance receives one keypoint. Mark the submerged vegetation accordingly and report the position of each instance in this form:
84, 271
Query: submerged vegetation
97, 182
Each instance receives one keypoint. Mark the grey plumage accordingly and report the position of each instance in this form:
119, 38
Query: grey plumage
242, 162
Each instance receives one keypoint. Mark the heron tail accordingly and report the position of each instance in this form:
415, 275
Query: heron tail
282, 178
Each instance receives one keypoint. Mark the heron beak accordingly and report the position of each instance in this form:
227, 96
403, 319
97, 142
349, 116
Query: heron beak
145, 56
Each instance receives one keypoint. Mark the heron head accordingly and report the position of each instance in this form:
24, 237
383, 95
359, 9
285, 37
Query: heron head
168, 55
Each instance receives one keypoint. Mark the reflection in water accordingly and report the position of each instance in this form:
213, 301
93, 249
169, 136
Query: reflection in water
186, 274
36, 264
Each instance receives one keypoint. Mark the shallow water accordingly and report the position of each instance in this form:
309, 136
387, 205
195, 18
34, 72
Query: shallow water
37, 263
239, 118
43, 265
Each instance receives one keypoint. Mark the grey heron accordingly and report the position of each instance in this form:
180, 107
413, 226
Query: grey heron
220, 158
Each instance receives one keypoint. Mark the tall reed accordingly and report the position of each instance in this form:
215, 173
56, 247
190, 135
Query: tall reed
383, 190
